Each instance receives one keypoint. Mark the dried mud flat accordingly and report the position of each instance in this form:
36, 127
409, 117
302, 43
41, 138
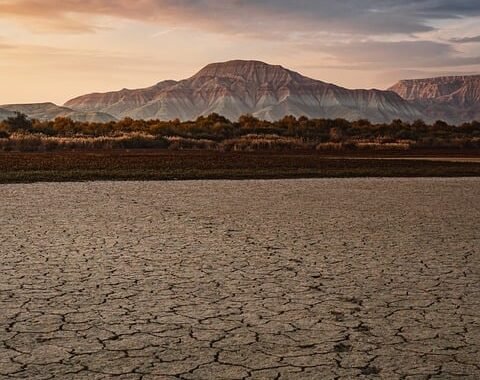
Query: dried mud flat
298, 279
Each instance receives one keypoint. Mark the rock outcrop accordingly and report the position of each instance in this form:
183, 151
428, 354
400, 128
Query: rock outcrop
455, 99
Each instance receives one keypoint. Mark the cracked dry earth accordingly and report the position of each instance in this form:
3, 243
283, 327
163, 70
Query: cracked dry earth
300, 279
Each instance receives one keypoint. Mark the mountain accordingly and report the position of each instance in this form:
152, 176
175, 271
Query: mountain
49, 111
5, 114
239, 87
118, 102
455, 99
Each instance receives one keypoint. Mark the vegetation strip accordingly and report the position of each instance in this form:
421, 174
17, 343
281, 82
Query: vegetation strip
215, 132
18, 167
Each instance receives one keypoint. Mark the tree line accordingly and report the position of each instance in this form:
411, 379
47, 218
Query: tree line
247, 133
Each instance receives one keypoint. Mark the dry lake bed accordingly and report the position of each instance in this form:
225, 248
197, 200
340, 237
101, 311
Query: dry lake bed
287, 279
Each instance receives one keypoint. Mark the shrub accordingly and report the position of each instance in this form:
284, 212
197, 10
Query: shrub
180, 143
252, 142
248, 134
20, 122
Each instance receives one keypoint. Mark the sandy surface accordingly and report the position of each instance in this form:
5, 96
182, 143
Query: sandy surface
299, 279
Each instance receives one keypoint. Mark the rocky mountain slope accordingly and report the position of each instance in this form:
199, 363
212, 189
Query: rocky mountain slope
455, 99
49, 111
238, 87
5, 114
118, 103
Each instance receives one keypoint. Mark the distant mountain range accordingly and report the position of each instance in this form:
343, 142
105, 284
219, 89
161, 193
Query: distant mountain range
5, 114
454, 99
50, 111
270, 92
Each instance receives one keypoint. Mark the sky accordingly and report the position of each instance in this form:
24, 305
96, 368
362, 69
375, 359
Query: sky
53, 50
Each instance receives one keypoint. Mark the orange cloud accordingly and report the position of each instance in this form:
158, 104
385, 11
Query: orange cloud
76, 15
245, 16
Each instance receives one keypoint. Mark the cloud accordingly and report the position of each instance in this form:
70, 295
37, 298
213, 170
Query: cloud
400, 54
366, 17
163, 32
466, 40
4, 45
378, 55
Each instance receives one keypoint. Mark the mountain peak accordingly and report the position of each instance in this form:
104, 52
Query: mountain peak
236, 64
248, 70
240, 87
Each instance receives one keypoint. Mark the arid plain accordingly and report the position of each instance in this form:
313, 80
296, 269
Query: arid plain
284, 279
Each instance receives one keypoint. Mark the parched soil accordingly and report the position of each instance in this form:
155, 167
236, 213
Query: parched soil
165, 164
300, 279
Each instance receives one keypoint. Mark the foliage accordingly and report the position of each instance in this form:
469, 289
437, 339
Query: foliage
215, 132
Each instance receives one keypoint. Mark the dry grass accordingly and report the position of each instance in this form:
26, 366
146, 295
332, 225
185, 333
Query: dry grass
36, 142
42, 143
362, 145
254, 142
183, 143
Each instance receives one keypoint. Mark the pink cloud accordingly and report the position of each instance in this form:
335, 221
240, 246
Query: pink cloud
76, 15
239, 16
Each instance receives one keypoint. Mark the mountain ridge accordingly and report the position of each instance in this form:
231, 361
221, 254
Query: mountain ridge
238, 87
454, 99
5, 114
50, 111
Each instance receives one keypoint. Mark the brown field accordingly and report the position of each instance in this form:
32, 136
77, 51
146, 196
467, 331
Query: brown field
167, 165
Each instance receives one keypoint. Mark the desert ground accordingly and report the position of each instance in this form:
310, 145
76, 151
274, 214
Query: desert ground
283, 279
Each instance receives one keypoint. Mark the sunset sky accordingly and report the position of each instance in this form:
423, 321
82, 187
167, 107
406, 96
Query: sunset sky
53, 50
